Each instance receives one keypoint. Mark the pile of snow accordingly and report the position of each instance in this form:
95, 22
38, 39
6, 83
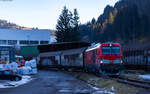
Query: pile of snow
29, 68
12, 66
24, 70
33, 63
1, 66
147, 76
11, 84
101, 91
7, 66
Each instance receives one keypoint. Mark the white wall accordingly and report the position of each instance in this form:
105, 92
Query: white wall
24, 36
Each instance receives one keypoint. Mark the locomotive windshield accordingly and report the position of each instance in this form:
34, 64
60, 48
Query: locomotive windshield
110, 50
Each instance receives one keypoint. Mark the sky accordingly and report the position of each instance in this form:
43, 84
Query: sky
45, 13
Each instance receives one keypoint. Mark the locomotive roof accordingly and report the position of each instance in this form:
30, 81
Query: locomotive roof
95, 46
107, 44
92, 47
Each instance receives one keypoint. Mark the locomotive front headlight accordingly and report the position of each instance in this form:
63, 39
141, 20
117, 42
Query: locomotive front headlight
121, 61
101, 61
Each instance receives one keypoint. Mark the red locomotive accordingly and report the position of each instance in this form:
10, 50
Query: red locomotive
105, 58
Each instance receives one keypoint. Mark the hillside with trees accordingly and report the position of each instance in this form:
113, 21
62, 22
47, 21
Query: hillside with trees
128, 21
7, 25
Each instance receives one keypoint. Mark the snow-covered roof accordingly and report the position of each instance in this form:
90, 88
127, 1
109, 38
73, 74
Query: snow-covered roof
10, 34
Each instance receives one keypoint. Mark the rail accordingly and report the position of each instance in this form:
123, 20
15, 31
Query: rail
137, 83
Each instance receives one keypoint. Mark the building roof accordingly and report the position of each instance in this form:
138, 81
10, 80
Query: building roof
54, 49
67, 48
62, 46
10, 34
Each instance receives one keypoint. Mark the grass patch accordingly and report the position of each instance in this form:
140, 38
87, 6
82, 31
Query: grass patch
106, 84
134, 74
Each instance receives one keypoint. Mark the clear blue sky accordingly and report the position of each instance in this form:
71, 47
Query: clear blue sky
44, 13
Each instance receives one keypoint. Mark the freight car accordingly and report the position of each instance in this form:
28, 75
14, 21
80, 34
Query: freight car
137, 56
105, 58
62, 55
137, 59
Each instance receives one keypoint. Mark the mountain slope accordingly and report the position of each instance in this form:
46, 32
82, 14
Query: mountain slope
127, 21
7, 25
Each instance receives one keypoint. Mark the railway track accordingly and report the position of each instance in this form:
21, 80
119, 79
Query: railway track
133, 82
136, 83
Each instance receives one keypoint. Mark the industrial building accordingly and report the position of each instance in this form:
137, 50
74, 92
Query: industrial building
11, 39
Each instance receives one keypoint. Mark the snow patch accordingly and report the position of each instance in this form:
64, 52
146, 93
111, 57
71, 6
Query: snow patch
11, 84
147, 76
82, 91
101, 91
2, 86
95, 88
112, 88
65, 90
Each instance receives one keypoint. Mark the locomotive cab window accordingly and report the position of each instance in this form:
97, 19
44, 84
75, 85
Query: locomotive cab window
111, 50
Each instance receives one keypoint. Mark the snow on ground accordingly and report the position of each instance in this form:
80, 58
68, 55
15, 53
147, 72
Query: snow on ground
11, 84
101, 91
147, 76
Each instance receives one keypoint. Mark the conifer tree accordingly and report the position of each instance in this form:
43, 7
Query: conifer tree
67, 26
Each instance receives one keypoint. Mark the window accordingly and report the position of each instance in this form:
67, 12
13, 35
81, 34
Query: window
3, 42
24, 42
12, 42
111, 50
44, 42
28, 42
33, 42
